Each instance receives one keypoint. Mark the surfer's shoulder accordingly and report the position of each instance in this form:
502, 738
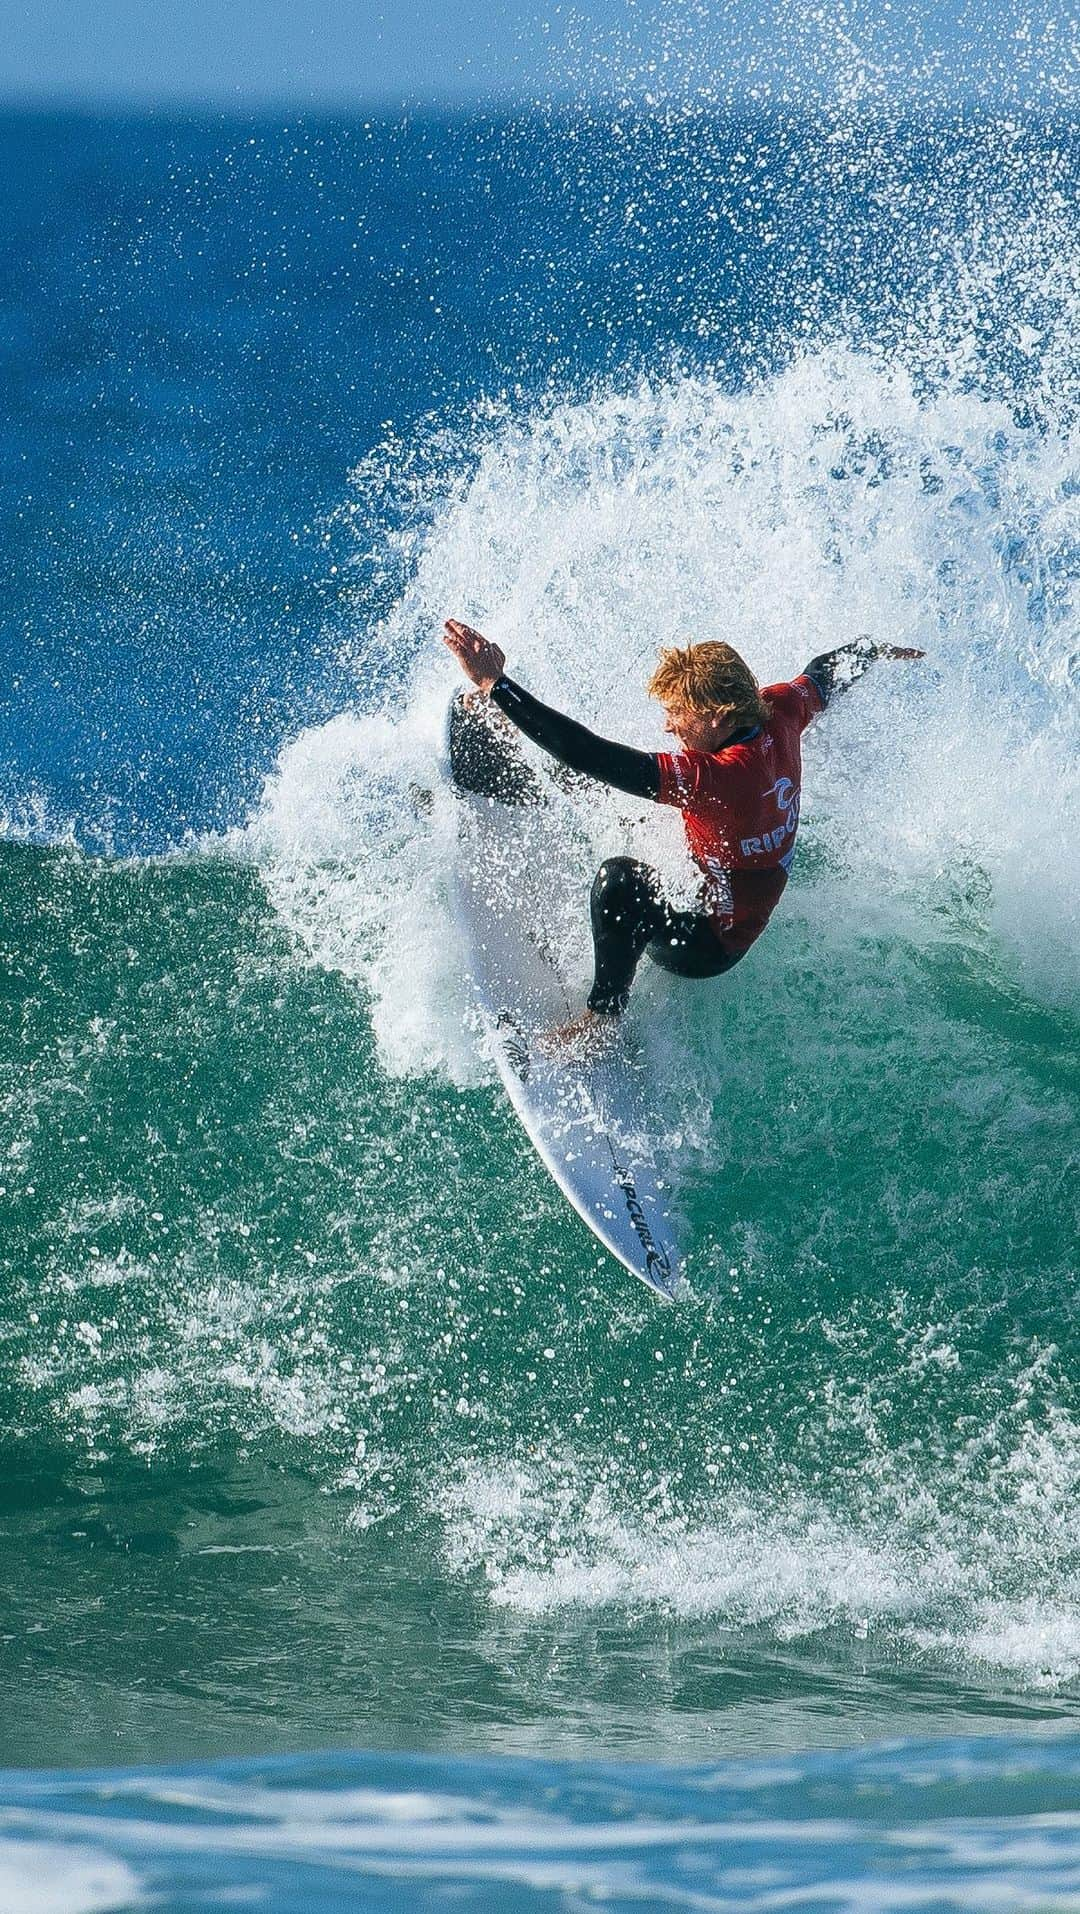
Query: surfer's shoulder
800, 697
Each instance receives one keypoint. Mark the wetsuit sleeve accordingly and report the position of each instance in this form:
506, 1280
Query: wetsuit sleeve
837, 670
636, 772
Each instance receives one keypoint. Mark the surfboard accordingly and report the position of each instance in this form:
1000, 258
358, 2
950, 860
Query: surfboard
587, 1117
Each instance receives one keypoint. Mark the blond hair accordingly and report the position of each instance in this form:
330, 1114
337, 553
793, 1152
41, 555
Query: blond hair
709, 677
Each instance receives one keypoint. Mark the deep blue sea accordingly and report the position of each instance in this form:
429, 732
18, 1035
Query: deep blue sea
367, 1536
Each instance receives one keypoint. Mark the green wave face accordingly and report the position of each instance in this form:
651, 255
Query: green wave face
333, 1335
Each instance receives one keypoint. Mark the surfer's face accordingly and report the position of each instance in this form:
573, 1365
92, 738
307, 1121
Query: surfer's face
696, 730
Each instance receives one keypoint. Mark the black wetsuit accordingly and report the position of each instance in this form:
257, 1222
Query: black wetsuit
629, 912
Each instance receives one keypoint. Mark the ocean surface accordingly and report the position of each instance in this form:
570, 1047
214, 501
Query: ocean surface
364, 1528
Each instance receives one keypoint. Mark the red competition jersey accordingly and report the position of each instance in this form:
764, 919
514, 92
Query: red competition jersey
740, 808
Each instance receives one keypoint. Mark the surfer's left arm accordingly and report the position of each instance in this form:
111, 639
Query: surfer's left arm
838, 670
636, 772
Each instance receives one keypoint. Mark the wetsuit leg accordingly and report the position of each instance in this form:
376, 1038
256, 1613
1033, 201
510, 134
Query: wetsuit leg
485, 756
630, 917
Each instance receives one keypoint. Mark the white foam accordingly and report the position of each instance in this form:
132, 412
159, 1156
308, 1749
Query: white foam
43, 1877
797, 1571
353, 840
1037, 1640
975, 1583
831, 499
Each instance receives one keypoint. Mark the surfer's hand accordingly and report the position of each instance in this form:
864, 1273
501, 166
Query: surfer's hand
899, 651
479, 659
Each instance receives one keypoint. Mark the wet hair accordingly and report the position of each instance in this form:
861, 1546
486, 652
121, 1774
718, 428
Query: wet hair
709, 678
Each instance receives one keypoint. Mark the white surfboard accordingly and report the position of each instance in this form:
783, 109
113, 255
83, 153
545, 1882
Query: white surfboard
587, 1118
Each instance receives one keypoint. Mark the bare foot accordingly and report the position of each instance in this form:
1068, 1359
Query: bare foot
587, 1036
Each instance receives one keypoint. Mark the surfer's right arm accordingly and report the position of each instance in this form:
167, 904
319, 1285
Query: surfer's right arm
636, 772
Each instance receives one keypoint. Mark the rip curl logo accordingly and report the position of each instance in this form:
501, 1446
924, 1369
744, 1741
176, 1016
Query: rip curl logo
656, 1261
787, 803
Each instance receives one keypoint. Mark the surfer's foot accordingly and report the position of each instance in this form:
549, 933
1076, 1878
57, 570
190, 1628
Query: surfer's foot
587, 1036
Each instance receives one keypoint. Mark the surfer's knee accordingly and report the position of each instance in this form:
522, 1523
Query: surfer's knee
620, 888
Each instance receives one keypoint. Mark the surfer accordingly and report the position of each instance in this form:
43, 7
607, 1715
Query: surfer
735, 777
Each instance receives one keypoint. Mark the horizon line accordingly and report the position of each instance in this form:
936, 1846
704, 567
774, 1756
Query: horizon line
80, 102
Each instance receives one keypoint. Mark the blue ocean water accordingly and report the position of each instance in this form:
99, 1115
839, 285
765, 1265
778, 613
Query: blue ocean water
323, 1423
965, 1824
